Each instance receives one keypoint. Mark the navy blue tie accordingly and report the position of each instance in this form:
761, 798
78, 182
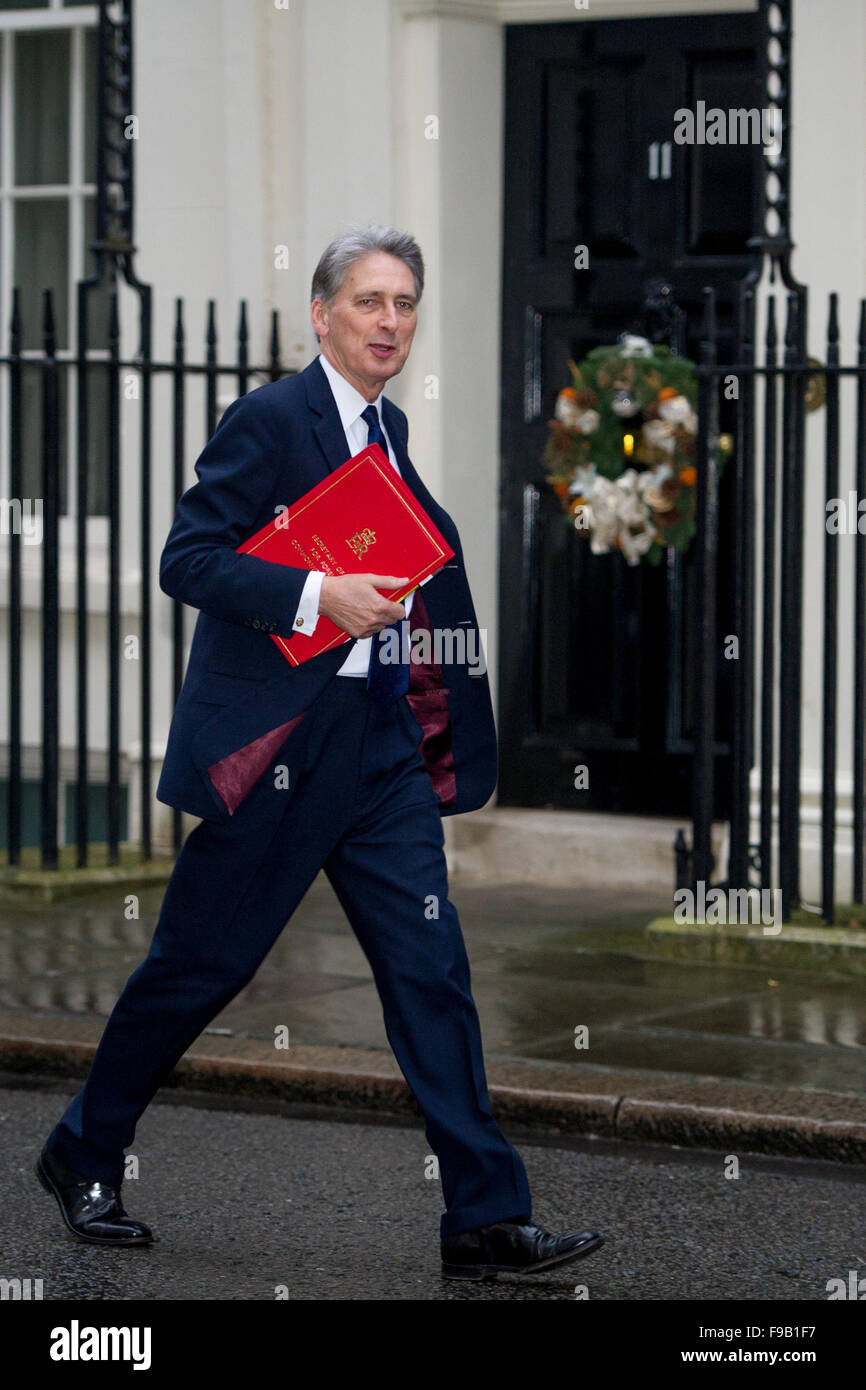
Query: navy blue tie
387, 678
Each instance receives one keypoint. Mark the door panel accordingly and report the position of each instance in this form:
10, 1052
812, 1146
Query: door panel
596, 658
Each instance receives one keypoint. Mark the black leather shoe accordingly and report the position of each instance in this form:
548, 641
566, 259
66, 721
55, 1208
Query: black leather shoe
91, 1210
509, 1248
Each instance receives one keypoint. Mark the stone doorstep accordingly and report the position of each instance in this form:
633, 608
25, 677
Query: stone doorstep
576, 849
579, 849
691, 1112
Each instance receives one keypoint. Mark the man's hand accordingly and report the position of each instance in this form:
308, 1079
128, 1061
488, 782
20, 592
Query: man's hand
354, 603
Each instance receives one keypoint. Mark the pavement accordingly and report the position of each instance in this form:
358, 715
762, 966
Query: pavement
750, 1057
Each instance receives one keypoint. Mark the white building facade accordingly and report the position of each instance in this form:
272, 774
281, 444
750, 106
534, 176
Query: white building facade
265, 128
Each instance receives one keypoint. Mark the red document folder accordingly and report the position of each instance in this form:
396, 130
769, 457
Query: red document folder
361, 519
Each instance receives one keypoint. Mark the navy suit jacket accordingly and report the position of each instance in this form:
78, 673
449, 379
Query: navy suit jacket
241, 699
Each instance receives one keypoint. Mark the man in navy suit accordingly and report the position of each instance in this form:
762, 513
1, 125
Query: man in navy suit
346, 762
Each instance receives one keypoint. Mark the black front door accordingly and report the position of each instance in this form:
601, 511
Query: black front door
596, 656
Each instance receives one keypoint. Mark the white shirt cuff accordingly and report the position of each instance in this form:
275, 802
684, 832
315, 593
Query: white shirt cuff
308, 609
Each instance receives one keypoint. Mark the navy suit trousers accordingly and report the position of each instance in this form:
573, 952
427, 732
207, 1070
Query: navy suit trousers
360, 805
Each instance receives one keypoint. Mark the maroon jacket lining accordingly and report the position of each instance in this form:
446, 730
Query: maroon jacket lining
428, 701
236, 774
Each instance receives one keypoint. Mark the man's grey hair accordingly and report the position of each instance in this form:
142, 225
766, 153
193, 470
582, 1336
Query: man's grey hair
351, 246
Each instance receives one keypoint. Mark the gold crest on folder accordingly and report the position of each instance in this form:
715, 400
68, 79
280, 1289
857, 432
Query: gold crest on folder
361, 541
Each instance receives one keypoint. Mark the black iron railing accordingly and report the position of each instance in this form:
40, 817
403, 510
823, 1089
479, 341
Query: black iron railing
779, 393
81, 370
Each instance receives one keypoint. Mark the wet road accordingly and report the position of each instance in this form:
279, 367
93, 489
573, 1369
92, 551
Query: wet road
246, 1203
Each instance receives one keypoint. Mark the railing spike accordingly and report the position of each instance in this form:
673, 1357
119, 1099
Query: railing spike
792, 322
772, 337
708, 329
48, 320
113, 319
15, 321
833, 320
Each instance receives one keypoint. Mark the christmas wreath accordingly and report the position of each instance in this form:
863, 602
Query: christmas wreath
633, 403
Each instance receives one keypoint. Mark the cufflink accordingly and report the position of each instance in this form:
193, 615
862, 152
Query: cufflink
299, 622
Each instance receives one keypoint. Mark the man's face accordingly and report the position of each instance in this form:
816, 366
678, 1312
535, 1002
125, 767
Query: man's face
366, 333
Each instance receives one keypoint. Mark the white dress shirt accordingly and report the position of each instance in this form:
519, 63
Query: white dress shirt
350, 404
